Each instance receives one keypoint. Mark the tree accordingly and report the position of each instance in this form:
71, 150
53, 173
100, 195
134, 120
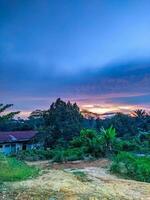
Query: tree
6, 117
108, 136
63, 120
36, 120
124, 124
142, 119
90, 142
99, 124
139, 113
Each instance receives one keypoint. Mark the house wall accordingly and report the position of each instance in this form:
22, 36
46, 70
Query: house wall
29, 146
18, 147
6, 148
9, 148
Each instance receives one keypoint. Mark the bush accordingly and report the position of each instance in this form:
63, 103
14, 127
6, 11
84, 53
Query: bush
12, 169
33, 155
132, 166
124, 145
57, 155
70, 154
90, 142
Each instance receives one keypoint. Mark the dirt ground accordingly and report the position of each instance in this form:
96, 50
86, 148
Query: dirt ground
58, 182
74, 164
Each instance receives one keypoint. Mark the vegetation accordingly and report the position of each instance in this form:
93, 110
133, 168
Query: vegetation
34, 155
68, 136
14, 170
62, 122
5, 118
132, 166
81, 176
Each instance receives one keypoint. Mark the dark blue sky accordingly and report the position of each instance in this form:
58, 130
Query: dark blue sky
95, 52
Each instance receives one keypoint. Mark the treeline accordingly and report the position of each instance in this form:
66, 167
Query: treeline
63, 121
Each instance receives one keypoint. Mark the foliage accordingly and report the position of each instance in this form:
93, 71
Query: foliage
58, 154
6, 117
126, 145
36, 120
93, 143
35, 154
108, 136
139, 113
132, 166
89, 141
14, 170
69, 154
63, 120
124, 124
142, 120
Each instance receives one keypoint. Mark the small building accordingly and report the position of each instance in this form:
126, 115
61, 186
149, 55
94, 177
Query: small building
14, 141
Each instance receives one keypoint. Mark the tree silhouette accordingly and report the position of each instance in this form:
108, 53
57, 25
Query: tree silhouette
6, 116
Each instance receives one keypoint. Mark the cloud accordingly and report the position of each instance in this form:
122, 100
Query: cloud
31, 87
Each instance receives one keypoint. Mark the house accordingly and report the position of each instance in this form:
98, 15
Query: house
14, 141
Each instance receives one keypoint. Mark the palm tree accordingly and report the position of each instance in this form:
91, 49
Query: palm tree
139, 113
6, 116
108, 136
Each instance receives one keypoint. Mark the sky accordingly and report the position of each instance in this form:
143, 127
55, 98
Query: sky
93, 52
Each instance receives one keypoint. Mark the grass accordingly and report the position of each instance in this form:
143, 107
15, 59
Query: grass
12, 169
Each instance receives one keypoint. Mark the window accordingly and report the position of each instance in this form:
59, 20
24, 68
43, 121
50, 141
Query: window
7, 145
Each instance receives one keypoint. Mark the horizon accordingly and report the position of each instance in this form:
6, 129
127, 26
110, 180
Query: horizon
94, 53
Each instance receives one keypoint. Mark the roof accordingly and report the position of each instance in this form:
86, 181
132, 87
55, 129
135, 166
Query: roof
16, 136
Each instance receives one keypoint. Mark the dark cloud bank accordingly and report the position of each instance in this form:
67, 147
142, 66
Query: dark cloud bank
35, 84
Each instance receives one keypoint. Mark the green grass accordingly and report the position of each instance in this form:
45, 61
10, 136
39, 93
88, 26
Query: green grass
131, 166
12, 169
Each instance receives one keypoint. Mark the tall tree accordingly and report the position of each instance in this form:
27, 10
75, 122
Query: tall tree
63, 120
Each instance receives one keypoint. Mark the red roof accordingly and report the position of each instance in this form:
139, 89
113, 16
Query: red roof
14, 136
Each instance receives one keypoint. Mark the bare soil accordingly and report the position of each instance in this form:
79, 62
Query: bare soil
72, 164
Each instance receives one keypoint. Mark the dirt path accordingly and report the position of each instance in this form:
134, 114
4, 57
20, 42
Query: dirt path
58, 182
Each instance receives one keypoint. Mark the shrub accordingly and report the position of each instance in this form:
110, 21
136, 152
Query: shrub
90, 142
124, 145
108, 136
70, 154
33, 155
132, 166
58, 155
